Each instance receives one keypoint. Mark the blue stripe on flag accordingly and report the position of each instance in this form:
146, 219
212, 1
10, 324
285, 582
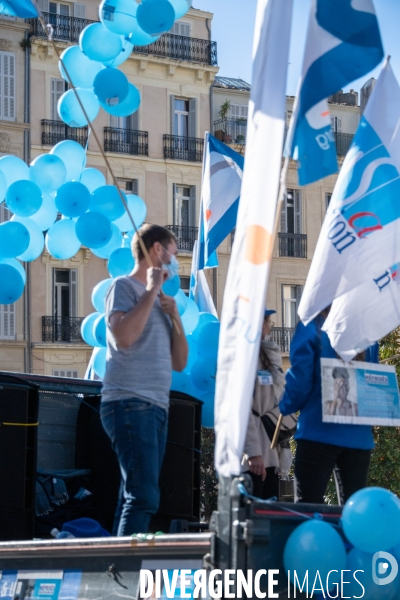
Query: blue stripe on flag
18, 8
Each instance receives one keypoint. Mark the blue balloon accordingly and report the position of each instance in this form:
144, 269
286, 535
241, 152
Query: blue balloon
12, 280
81, 69
24, 198
180, 7
137, 209
47, 213
36, 239
14, 239
111, 86
193, 352
181, 382
155, 16
100, 331
93, 230
99, 294
14, 169
118, 16
73, 199
207, 340
138, 37
203, 374
125, 53
73, 156
99, 44
107, 201
171, 286
114, 243
362, 561
92, 179
70, 111
61, 239
207, 411
48, 172
190, 317
99, 361
87, 329
127, 106
372, 505
181, 301
121, 262
204, 318
315, 546
3, 186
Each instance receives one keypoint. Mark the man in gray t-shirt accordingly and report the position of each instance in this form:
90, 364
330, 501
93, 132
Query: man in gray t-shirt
145, 342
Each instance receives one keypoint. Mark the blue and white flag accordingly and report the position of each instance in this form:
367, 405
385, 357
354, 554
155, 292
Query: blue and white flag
343, 44
360, 237
19, 8
222, 182
199, 289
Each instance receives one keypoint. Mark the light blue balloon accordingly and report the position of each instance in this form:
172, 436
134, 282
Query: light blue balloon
12, 280
367, 506
14, 169
14, 239
138, 37
24, 198
180, 7
100, 330
207, 411
36, 239
121, 262
207, 340
111, 86
73, 156
315, 546
99, 361
125, 53
204, 318
155, 16
99, 294
47, 213
193, 352
3, 186
181, 301
93, 230
107, 201
138, 210
99, 44
127, 106
70, 111
171, 286
114, 243
118, 16
190, 317
61, 239
362, 561
92, 179
81, 69
73, 199
87, 329
203, 374
181, 382
48, 172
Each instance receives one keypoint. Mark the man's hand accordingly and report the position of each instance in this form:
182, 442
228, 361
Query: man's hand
168, 305
256, 466
155, 279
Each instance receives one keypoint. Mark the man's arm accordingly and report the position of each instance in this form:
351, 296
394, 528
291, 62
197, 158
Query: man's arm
179, 346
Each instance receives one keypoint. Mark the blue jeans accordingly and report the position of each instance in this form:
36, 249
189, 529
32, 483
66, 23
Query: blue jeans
138, 433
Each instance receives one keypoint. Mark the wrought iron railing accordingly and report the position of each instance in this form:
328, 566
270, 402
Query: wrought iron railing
283, 337
231, 130
56, 131
185, 236
126, 141
180, 47
293, 245
64, 28
343, 142
62, 329
183, 148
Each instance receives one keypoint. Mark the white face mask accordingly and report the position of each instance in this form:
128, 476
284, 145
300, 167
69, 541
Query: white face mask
172, 267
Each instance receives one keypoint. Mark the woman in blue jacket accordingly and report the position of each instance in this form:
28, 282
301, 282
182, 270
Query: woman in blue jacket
322, 447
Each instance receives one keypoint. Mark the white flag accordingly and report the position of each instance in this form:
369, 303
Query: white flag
245, 292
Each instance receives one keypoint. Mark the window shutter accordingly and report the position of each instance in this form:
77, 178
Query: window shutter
297, 212
244, 111
283, 216
181, 28
73, 290
192, 206
299, 293
5, 214
57, 90
43, 5
134, 121
174, 211
80, 11
339, 124
7, 91
172, 114
7, 321
192, 118
114, 122
135, 187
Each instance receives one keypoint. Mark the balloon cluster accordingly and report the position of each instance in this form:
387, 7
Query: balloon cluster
92, 214
201, 330
92, 65
371, 523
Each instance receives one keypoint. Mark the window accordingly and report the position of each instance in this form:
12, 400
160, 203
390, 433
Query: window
181, 28
58, 87
5, 214
131, 186
7, 86
183, 117
328, 197
63, 373
184, 206
7, 321
65, 303
131, 122
291, 221
185, 285
291, 295
238, 111
336, 123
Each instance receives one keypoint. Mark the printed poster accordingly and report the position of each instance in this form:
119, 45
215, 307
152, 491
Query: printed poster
40, 585
359, 393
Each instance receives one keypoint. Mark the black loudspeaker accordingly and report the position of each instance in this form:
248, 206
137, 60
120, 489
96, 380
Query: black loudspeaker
19, 404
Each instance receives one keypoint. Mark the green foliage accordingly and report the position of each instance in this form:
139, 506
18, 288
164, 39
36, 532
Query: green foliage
209, 481
224, 109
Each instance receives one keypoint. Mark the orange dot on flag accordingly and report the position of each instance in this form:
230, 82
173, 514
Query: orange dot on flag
258, 245
208, 214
